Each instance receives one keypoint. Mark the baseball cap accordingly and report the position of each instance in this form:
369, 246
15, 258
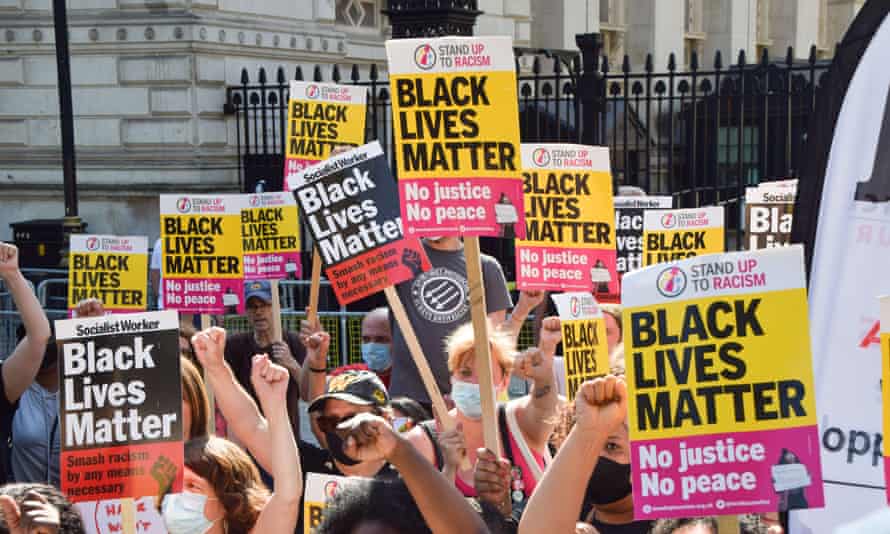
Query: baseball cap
260, 289
355, 387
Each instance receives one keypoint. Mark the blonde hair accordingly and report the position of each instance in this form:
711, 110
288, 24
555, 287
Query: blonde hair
462, 341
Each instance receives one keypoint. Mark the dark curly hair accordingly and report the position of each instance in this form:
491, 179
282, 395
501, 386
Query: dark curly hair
234, 478
387, 503
70, 521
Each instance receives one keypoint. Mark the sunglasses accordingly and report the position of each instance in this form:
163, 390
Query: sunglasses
329, 423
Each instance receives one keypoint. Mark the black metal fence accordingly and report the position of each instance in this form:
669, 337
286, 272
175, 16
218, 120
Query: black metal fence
699, 134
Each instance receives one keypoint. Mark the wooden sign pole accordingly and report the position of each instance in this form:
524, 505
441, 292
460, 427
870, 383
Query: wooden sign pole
276, 312
728, 524
479, 315
314, 287
128, 515
205, 324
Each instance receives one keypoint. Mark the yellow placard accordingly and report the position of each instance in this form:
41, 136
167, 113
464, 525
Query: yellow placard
314, 128
200, 236
111, 269
672, 235
585, 352
456, 125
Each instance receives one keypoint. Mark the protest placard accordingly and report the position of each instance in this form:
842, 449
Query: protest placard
584, 347
270, 236
769, 213
113, 269
320, 117
671, 235
202, 253
721, 409
456, 126
120, 419
351, 208
629, 229
321, 489
885, 385
569, 242
109, 517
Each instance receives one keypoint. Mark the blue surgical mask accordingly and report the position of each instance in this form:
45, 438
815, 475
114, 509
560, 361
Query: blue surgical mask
467, 398
183, 513
377, 356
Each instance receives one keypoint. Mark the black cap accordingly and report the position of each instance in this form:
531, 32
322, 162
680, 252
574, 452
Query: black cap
355, 387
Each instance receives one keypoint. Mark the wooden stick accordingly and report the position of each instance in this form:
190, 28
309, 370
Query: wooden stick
205, 324
314, 287
276, 311
479, 315
426, 374
128, 516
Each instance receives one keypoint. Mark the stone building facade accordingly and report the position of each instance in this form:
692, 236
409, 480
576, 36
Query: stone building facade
149, 78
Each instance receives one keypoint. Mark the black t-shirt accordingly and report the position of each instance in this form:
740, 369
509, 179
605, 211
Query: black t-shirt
240, 349
317, 460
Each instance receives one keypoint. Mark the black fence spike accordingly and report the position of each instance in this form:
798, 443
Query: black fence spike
354, 75
536, 66
373, 74
262, 76
649, 66
672, 62
298, 74
693, 61
605, 69
335, 73
789, 56
316, 75
764, 57
245, 78
741, 60
279, 76
813, 55
718, 60
625, 65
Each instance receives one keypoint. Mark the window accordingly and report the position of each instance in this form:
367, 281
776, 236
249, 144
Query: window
359, 14
612, 13
612, 28
824, 45
694, 16
728, 155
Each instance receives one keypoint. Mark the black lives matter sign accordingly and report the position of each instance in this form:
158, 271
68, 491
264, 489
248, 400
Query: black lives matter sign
120, 406
351, 207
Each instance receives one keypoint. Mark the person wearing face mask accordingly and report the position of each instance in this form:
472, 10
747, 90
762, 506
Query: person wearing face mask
376, 347
222, 488
525, 423
598, 444
349, 394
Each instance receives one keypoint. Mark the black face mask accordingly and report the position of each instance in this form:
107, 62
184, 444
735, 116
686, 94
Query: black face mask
335, 447
609, 483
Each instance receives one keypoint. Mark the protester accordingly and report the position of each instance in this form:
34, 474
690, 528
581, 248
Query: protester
407, 413
437, 302
364, 391
186, 331
37, 509
525, 423
288, 353
376, 347
597, 444
694, 525
18, 370
222, 489
35, 424
384, 507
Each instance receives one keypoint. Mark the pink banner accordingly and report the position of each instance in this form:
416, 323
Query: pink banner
193, 295
272, 266
726, 474
568, 269
470, 207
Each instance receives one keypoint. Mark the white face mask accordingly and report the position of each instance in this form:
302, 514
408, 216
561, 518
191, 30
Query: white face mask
183, 513
467, 398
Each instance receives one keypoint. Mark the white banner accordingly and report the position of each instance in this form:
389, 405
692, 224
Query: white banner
851, 256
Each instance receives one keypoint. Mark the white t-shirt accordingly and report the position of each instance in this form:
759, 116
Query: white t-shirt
156, 265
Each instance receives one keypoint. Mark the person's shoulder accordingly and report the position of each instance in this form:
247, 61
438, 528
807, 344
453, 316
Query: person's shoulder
236, 344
